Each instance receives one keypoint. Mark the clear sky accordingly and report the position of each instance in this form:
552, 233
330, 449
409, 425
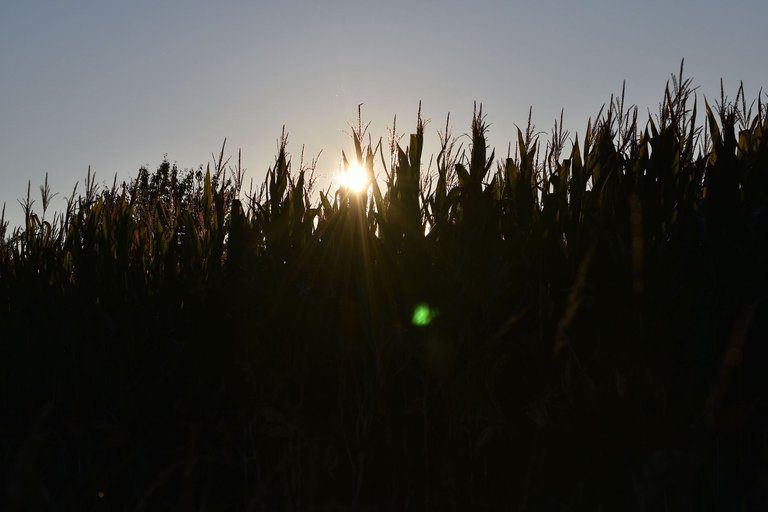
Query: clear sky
118, 84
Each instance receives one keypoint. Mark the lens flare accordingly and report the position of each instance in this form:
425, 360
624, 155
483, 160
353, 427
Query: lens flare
422, 315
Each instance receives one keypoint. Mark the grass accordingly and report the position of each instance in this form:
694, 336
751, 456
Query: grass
577, 326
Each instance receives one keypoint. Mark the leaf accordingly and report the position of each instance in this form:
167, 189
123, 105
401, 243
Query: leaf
463, 175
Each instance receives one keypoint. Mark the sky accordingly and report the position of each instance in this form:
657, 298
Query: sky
116, 85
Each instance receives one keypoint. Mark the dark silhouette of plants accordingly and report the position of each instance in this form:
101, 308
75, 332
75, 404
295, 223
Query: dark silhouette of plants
573, 327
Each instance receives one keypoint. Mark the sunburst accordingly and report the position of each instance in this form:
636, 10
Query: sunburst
354, 178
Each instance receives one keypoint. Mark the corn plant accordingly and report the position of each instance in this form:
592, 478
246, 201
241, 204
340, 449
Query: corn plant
572, 326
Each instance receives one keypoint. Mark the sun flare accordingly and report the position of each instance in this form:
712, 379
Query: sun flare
354, 179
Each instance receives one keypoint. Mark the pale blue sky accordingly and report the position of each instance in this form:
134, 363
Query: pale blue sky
117, 84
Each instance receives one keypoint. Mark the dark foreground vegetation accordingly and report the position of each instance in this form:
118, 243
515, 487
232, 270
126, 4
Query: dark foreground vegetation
568, 328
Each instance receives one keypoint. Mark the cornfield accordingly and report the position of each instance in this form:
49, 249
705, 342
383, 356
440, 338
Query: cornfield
580, 325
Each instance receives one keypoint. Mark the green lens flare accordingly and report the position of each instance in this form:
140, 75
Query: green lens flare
422, 315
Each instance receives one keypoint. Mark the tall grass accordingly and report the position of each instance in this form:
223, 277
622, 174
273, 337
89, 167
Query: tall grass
589, 334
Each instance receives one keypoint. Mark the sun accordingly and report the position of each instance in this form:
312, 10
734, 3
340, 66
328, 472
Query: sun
354, 178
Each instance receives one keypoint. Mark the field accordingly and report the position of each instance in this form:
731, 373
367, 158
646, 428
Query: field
580, 325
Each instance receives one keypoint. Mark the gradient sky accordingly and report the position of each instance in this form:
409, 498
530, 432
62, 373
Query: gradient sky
118, 84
